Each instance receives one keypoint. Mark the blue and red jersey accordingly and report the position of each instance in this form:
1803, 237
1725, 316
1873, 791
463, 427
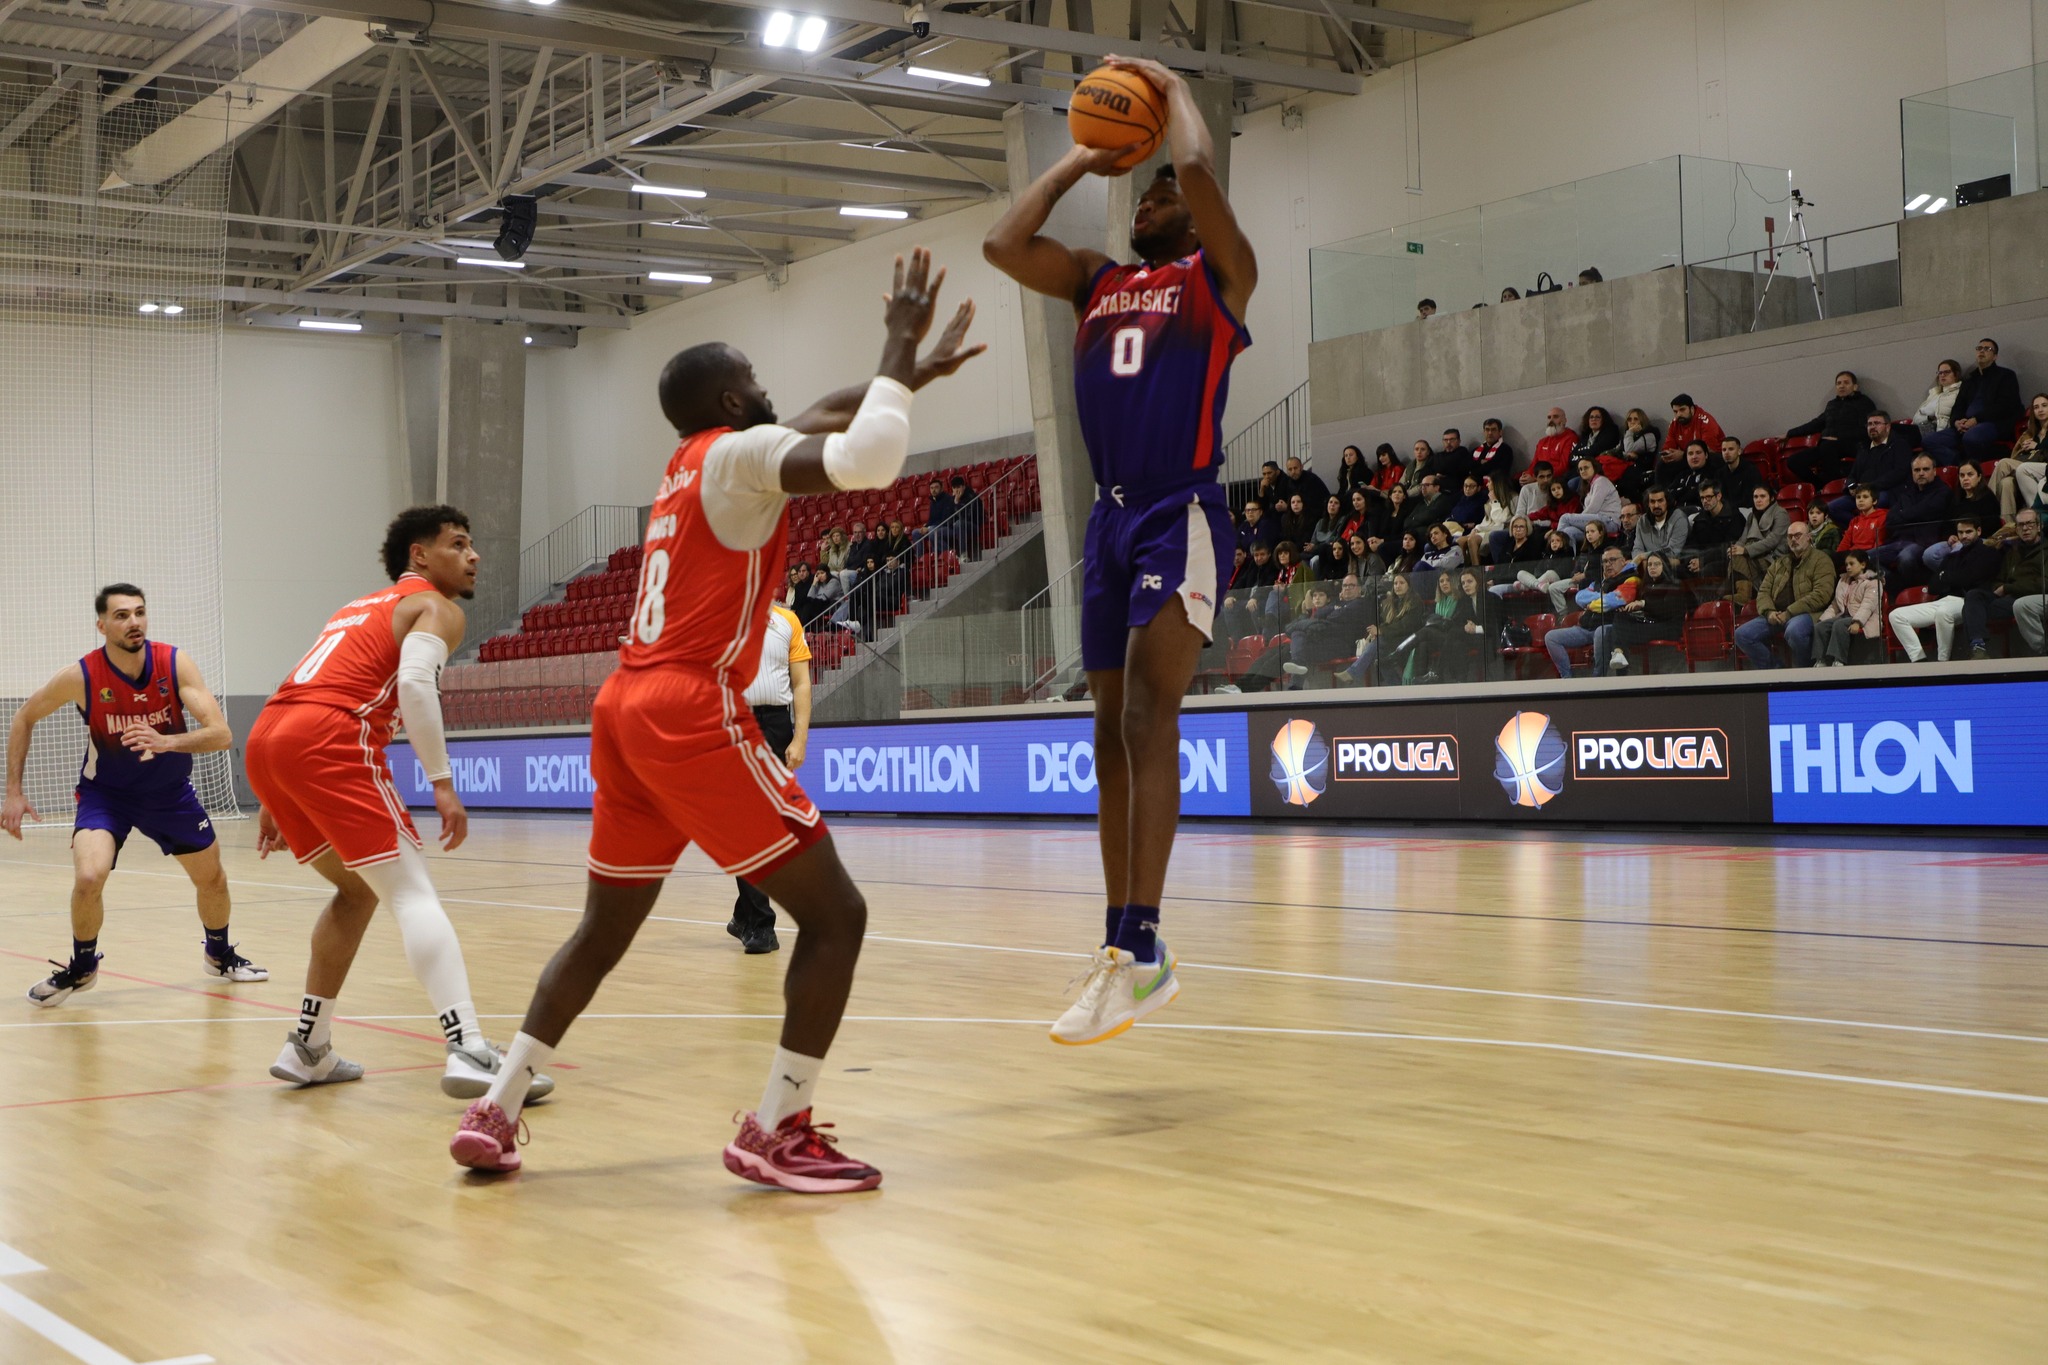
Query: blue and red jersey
1151, 375
113, 701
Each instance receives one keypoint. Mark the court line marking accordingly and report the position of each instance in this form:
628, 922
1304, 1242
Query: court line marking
73, 1341
1390, 983
201, 1089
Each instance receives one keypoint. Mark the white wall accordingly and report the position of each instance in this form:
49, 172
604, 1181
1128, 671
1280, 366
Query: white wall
312, 469
594, 422
1812, 86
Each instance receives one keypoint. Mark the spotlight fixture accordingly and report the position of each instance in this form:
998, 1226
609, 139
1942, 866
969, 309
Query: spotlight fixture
329, 325
781, 25
486, 260
953, 77
677, 277
529, 340
810, 34
172, 310
868, 211
146, 308
672, 191
518, 214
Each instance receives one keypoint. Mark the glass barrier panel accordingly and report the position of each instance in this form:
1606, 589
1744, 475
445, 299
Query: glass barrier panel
1962, 135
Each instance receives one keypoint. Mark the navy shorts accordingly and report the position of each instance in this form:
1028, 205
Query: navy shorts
173, 819
1140, 556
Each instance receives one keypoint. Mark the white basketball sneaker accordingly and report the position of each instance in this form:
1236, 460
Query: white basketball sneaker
1116, 992
302, 1065
471, 1070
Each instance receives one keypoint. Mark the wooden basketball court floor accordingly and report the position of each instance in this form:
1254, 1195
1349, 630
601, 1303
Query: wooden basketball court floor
1465, 1097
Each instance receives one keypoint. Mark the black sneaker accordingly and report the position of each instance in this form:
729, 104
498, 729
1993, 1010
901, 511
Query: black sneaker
80, 975
1979, 652
233, 966
756, 935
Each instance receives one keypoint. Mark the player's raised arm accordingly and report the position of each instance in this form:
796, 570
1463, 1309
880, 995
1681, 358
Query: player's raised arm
67, 688
1194, 166
213, 733
1016, 247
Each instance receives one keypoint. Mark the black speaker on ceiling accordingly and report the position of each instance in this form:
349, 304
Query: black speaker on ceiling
518, 213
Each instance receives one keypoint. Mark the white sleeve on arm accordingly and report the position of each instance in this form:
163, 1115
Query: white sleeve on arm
871, 451
419, 699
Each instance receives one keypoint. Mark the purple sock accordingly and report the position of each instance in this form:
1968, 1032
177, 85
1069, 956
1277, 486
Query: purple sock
1137, 934
1112, 920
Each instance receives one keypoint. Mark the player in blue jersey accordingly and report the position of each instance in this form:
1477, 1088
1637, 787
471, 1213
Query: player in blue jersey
1152, 360
134, 696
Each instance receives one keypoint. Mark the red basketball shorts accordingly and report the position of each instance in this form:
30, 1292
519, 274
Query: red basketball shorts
678, 759
327, 785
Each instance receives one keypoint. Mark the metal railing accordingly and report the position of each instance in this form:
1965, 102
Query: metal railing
1049, 624
1278, 434
1825, 277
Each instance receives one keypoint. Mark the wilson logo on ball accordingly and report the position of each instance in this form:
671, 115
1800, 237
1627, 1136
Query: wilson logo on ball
1102, 97
1301, 763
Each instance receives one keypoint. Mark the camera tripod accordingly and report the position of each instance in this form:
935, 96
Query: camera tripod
1804, 246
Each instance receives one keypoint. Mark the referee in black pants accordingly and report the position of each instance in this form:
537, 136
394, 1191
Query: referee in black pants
781, 697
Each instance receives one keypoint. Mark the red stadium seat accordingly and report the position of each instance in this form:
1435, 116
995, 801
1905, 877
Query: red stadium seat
1540, 625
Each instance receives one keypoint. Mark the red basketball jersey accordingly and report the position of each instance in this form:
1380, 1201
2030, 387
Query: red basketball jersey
702, 605
354, 664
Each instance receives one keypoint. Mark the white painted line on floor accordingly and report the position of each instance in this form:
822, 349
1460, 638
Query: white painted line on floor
73, 1341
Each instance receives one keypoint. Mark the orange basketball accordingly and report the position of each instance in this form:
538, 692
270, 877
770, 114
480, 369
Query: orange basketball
1113, 108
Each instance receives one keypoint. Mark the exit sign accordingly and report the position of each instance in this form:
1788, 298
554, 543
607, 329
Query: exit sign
1415, 248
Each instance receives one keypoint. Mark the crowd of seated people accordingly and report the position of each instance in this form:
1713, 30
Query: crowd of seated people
1834, 543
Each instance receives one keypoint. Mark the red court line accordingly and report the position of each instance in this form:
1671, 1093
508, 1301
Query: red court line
195, 1089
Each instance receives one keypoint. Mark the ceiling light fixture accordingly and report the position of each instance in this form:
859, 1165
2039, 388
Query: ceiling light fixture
677, 277
1916, 201
672, 191
780, 25
810, 34
172, 310
146, 308
491, 262
330, 325
864, 211
956, 77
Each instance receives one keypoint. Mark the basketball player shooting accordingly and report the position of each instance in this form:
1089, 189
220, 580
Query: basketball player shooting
679, 757
134, 695
1151, 371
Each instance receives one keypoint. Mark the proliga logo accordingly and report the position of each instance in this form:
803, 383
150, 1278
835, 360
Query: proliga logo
1301, 763
1529, 759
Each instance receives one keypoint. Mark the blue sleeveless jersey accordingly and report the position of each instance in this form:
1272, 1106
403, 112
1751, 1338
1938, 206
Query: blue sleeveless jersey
1151, 374
112, 701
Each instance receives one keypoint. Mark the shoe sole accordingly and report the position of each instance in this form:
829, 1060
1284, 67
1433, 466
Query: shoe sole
481, 1152
1158, 1000
747, 1166
303, 1082
471, 1085
256, 973
52, 1001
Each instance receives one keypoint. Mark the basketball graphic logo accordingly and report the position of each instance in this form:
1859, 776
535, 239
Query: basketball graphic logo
1529, 759
1301, 763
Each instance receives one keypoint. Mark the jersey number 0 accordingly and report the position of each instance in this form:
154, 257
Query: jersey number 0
1127, 351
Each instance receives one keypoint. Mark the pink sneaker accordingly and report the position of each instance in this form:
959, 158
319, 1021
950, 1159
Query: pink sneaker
487, 1141
796, 1156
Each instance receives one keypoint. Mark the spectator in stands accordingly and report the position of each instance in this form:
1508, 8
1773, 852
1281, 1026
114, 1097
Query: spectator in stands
1305, 481
1441, 626
1330, 633
1690, 422
1383, 522
1386, 468
1826, 535
1972, 498
1935, 410
1590, 275
835, 550
1658, 613
1534, 490
1476, 628
1556, 446
1493, 519
1493, 455
1599, 499
973, 517
1244, 598
1400, 624
1289, 588
1353, 472
798, 597
1428, 508
1358, 513
1470, 505
828, 597
1331, 561
1796, 588
865, 547
1639, 446
1599, 437
1686, 482
1453, 461
1973, 564
1557, 502
1441, 551
2017, 479
1258, 528
1855, 614
1664, 530
1600, 603
1272, 486
1555, 565
1918, 517
1425, 308
1369, 564
1631, 515
1736, 475
1510, 294
1762, 541
1986, 409
937, 515
1512, 551
2022, 574
1408, 559
1840, 429
1421, 463
1583, 568
1884, 461
1865, 531
1330, 527
896, 541
1711, 530
1294, 521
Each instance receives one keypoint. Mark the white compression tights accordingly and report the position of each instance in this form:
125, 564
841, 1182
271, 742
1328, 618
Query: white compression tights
431, 949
